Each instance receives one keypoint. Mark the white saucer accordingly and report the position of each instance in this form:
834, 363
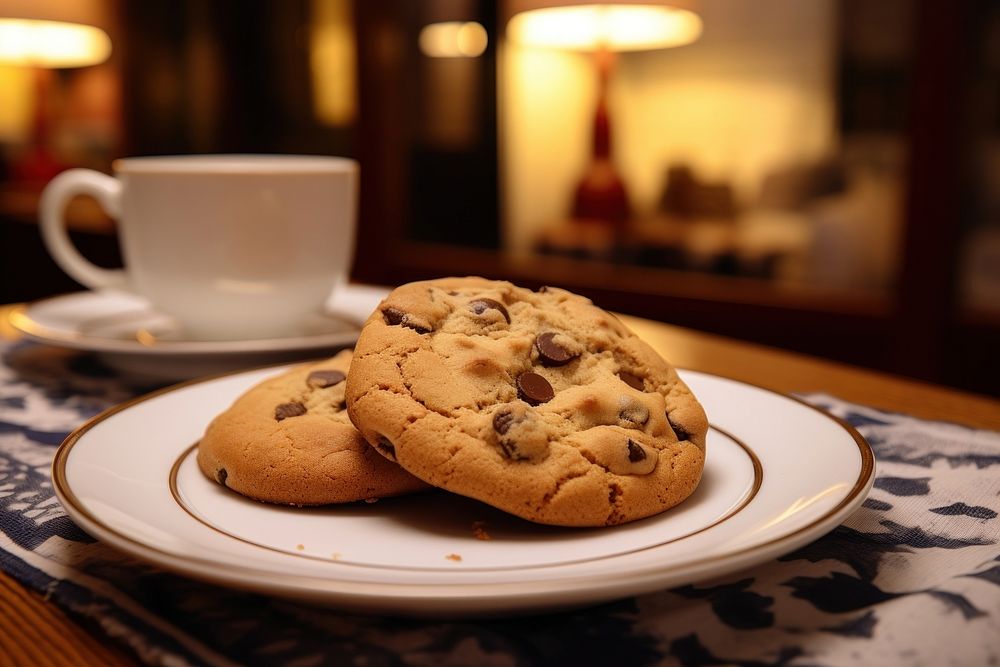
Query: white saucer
779, 474
131, 337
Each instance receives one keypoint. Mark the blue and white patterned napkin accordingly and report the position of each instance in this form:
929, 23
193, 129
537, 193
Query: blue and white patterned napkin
912, 578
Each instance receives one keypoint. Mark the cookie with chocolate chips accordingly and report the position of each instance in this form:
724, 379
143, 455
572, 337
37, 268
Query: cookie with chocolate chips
538, 403
288, 440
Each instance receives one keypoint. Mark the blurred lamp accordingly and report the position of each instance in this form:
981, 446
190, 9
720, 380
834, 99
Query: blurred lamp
51, 44
603, 29
43, 35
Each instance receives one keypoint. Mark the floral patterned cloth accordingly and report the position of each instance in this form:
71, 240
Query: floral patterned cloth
912, 578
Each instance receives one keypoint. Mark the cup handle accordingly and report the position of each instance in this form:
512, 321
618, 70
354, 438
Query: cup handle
72, 182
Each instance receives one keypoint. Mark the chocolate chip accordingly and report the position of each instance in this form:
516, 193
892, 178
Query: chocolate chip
543, 289
533, 388
678, 430
633, 381
509, 449
480, 306
635, 452
222, 475
614, 493
286, 410
385, 446
551, 352
325, 378
520, 435
502, 421
633, 414
394, 316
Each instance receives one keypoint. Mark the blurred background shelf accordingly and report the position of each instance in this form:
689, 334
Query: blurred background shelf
817, 176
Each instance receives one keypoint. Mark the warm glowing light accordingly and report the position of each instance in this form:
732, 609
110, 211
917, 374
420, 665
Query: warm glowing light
614, 27
52, 43
453, 39
332, 58
17, 89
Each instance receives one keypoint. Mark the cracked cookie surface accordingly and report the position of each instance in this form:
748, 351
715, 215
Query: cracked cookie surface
288, 440
538, 403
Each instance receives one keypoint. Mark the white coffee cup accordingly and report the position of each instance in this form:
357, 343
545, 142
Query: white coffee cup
230, 246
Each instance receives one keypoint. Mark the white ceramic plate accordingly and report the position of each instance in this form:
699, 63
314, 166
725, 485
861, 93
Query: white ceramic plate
779, 474
131, 337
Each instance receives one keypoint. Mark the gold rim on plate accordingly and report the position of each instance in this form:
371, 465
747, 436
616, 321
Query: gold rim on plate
241, 576
748, 496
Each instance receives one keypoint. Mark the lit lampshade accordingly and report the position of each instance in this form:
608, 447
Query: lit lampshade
44, 33
52, 44
615, 26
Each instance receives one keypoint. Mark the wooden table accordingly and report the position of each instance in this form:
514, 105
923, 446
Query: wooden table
790, 372
37, 633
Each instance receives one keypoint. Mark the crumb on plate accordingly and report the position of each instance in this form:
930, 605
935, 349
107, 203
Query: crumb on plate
479, 530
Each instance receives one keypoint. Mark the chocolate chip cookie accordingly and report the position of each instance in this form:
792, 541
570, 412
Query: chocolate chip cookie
288, 440
538, 403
